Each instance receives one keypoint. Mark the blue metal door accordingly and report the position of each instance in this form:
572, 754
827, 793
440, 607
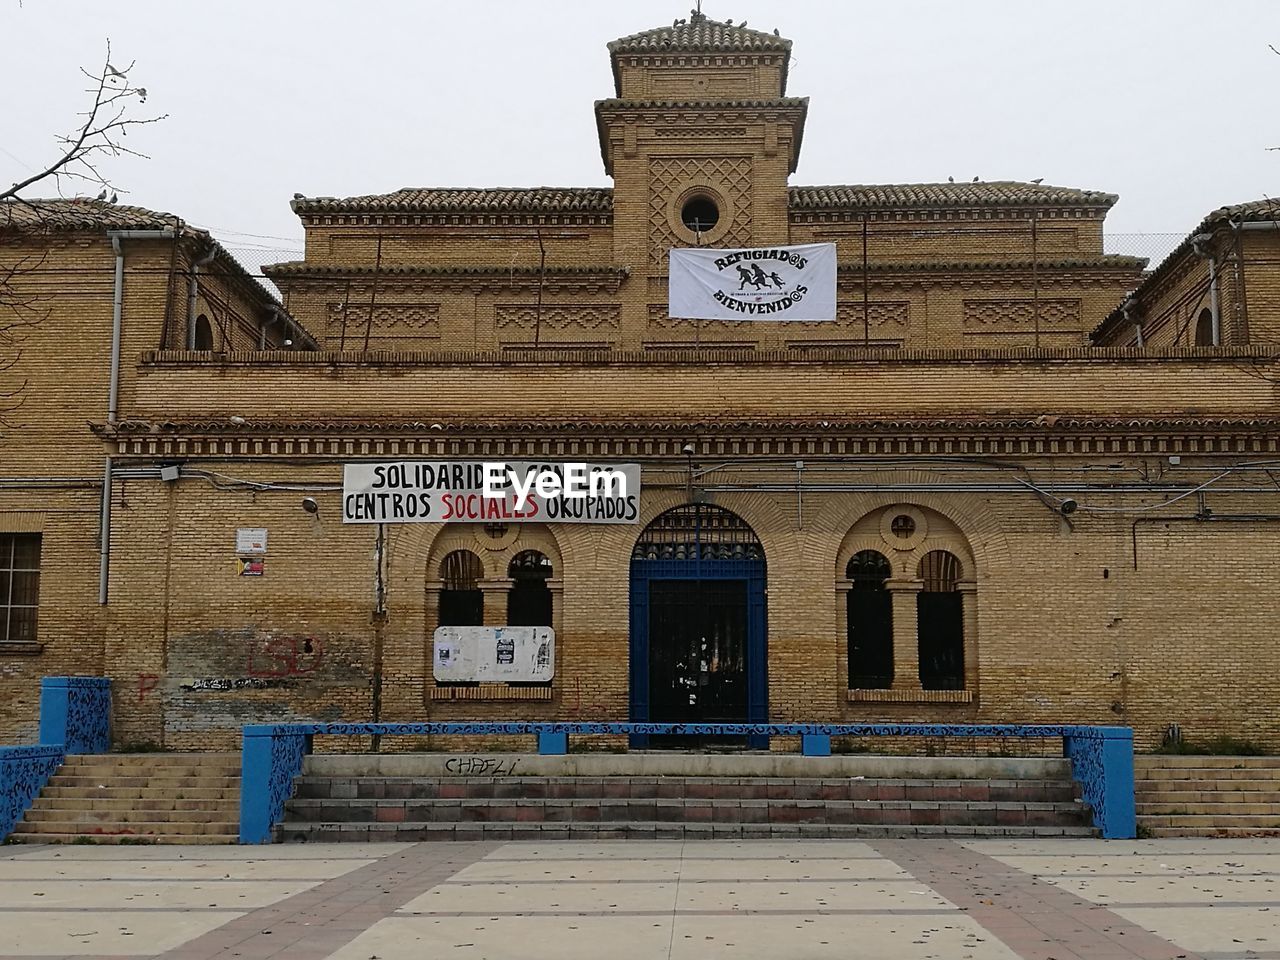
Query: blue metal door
682, 549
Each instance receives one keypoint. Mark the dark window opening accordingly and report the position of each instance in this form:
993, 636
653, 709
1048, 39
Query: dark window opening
903, 527
204, 333
870, 622
700, 214
529, 601
19, 586
1204, 329
940, 623
461, 599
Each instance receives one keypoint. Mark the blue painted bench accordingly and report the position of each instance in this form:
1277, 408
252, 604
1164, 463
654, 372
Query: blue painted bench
1101, 757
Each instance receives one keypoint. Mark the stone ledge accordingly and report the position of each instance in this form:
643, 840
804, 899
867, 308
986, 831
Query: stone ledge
489, 691
21, 649
910, 696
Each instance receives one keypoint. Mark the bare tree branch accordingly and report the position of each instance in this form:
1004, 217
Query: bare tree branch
98, 136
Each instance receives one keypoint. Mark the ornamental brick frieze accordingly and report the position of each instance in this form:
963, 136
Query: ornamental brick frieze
669, 176
1012, 438
1021, 313
390, 320
694, 133
558, 316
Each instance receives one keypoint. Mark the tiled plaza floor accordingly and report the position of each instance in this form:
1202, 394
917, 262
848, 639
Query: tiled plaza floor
975, 900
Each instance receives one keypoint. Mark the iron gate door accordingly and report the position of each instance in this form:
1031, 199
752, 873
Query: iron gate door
697, 652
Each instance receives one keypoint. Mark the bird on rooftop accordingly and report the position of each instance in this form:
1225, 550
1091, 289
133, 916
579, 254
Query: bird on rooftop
113, 198
951, 179
975, 179
776, 32
1038, 180
743, 24
102, 195
298, 196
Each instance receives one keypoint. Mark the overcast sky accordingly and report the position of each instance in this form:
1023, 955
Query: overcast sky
1169, 103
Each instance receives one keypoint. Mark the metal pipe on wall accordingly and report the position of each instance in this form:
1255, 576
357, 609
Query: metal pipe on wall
113, 391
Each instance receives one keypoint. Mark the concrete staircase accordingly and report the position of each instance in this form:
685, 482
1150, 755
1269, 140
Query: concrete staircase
1189, 796
410, 797
138, 798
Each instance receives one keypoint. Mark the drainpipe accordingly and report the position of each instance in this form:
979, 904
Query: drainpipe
191, 294
1200, 248
113, 393
1130, 308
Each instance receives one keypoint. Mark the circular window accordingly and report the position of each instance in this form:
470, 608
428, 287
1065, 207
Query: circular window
700, 214
903, 527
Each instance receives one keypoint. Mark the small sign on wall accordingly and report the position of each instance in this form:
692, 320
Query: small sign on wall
251, 541
494, 654
250, 566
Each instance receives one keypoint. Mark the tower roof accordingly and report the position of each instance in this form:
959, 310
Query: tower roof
699, 33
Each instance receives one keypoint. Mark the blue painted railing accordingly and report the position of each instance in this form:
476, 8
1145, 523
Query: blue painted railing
23, 773
1101, 757
75, 717
76, 712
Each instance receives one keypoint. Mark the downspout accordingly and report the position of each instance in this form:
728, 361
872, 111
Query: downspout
1129, 309
1198, 247
192, 283
113, 393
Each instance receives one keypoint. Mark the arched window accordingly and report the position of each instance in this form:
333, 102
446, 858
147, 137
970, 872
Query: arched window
529, 602
461, 599
698, 531
204, 333
940, 623
870, 622
1204, 329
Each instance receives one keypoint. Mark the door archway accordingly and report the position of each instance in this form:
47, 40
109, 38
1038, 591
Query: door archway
699, 651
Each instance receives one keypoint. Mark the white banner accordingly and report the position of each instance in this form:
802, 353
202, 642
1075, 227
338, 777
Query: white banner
453, 491
770, 283
494, 654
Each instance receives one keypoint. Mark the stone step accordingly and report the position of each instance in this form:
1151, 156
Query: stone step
418, 831
40, 813
1174, 797
1175, 761
1207, 773
141, 793
1232, 785
167, 783
1215, 821
965, 813
1226, 832
230, 807
159, 756
165, 773
78, 825
1166, 808
747, 788
122, 838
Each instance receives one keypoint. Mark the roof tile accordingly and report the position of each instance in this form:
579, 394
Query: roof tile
700, 33
982, 193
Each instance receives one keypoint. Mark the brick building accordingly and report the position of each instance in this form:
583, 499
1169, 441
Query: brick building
975, 495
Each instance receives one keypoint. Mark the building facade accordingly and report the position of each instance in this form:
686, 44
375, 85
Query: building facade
974, 495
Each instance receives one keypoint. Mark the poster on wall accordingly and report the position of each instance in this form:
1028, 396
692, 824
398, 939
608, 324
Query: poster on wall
453, 491
768, 283
251, 541
494, 654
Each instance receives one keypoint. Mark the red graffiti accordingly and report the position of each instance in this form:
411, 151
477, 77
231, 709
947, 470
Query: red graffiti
285, 657
146, 683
